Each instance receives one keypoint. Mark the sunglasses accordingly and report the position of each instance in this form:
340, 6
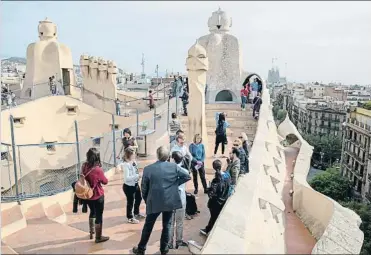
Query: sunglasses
240, 137
235, 145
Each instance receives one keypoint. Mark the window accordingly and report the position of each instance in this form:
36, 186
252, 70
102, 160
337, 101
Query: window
50, 146
19, 121
5, 156
71, 109
96, 141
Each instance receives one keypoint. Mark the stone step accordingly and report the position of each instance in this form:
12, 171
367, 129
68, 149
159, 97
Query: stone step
222, 106
231, 114
235, 122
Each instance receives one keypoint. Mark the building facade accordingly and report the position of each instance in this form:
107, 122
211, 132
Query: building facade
356, 156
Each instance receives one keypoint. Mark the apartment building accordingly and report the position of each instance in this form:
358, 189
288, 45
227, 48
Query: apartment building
317, 117
356, 156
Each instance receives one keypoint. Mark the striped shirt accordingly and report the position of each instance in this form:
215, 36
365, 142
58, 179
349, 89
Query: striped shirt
174, 126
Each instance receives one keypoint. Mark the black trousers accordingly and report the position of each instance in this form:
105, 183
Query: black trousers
195, 172
220, 139
215, 210
96, 208
133, 198
148, 227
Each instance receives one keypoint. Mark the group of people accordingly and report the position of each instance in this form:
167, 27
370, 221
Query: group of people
162, 186
150, 98
179, 88
255, 89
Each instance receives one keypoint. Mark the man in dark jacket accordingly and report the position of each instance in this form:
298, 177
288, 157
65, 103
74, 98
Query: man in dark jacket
160, 184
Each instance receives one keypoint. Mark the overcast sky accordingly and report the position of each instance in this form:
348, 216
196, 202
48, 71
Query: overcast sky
319, 41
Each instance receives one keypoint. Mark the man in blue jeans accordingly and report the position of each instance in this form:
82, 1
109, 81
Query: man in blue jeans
160, 184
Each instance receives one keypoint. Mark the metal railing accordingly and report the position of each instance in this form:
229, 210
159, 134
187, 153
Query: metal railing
36, 170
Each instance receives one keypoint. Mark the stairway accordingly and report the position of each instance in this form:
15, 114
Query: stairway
240, 121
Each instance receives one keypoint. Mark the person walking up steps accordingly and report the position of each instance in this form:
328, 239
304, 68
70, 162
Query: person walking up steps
197, 150
160, 191
179, 214
131, 187
221, 134
94, 175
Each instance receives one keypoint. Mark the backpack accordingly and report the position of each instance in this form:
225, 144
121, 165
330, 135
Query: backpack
220, 129
191, 206
83, 189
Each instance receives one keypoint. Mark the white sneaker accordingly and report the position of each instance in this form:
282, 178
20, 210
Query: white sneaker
133, 221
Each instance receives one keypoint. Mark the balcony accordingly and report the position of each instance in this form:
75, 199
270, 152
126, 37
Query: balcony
361, 127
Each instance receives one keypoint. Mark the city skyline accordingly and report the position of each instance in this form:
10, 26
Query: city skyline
327, 42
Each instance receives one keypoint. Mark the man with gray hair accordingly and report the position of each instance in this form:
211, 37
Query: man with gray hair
160, 184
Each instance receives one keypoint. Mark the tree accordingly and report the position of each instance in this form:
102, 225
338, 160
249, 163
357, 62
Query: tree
367, 105
329, 145
364, 211
332, 184
281, 115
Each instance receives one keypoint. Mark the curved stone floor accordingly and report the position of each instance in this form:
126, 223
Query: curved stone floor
297, 236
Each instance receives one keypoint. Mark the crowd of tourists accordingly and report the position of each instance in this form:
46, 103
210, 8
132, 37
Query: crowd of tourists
162, 185
255, 89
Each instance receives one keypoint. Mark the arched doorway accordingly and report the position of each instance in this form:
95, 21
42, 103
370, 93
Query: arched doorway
224, 95
250, 76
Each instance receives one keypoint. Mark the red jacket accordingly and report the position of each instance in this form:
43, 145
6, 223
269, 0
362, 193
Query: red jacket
95, 178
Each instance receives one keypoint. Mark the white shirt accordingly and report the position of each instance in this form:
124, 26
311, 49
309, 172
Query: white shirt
131, 175
183, 149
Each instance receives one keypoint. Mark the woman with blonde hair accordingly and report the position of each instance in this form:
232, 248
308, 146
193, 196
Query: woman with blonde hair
244, 161
197, 150
245, 142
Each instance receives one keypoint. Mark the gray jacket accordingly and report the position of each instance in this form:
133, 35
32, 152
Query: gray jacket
234, 169
160, 185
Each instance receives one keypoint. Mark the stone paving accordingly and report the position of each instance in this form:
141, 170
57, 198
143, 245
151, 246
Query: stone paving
298, 238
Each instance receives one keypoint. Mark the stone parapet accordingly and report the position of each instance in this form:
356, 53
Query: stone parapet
252, 221
335, 227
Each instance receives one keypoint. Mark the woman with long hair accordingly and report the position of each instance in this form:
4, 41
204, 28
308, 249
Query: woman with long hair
131, 186
94, 175
197, 149
245, 143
